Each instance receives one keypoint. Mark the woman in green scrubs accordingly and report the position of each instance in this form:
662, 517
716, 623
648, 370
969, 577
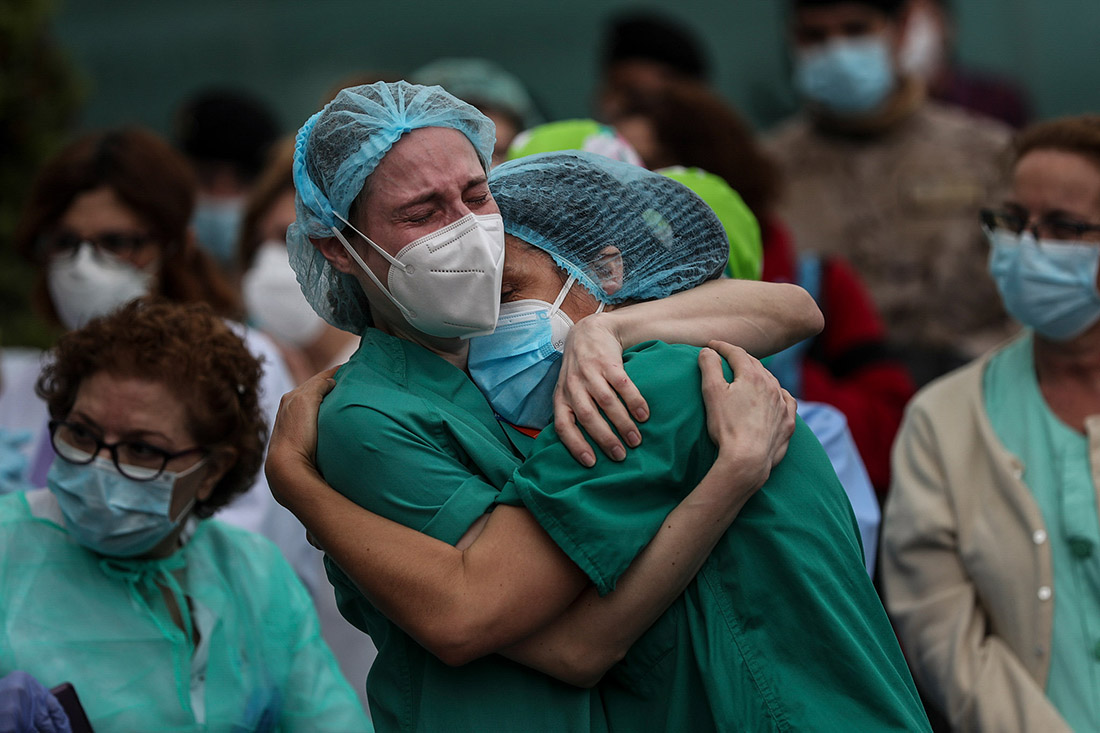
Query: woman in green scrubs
781, 629
408, 436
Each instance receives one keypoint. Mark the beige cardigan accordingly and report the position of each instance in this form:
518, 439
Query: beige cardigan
966, 564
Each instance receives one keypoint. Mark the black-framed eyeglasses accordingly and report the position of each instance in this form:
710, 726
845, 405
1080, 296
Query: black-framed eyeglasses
1050, 226
134, 459
119, 244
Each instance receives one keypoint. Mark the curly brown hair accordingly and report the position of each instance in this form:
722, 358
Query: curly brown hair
190, 350
151, 178
1080, 135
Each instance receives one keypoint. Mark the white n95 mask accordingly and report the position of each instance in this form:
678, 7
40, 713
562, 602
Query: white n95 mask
446, 283
88, 283
274, 299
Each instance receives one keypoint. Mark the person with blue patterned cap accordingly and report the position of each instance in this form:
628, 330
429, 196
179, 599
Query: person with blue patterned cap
782, 628
398, 237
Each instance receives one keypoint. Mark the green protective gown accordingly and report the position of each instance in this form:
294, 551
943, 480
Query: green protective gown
780, 630
408, 436
69, 615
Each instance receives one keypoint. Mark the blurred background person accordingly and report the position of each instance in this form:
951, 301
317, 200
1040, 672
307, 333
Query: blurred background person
928, 53
494, 91
226, 134
106, 221
991, 541
273, 299
880, 175
113, 577
848, 365
642, 50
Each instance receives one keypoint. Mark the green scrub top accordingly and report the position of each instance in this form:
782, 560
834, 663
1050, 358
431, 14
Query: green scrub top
69, 615
407, 435
780, 630
1058, 472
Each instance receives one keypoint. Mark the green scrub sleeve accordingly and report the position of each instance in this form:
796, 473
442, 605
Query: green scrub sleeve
395, 464
603, 516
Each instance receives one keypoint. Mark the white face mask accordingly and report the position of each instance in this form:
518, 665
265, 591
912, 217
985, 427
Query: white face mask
922, 48
274, 299
88, 283
446, 283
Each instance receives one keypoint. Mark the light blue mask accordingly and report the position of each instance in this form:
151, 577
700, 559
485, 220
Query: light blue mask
516, 366
848, 76
1047, 285
111, 514
217, 225
13, 463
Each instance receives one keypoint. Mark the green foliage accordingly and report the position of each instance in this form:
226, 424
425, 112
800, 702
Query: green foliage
40, 93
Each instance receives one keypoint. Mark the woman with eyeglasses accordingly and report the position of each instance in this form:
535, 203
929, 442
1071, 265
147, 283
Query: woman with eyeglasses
106, 221
991, 540
115, 580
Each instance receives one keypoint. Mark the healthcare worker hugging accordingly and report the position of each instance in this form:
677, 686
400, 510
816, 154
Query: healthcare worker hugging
782, 628
398, 238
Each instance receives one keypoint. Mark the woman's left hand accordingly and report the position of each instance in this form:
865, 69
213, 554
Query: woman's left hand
293, 441
593, 379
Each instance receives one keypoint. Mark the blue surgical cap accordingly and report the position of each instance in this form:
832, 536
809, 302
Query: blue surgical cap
335, 151
482, 83
574, 205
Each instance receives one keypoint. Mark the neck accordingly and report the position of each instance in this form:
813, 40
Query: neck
453, 350
1076, 360
907, 96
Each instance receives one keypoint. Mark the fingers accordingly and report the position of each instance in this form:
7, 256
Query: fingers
570, 435
589, 417
714, 379
734, 355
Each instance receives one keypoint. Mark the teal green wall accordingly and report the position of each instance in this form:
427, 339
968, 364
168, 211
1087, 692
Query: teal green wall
141, 58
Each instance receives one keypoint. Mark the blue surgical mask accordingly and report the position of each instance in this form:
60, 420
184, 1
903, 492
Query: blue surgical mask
217, 225
848, 76
517, 365
111, 514
1047, 285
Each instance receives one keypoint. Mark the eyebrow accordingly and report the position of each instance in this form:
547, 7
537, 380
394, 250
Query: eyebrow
129, 435
435, 195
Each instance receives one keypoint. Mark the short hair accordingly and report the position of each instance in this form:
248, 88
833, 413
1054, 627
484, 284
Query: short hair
890, 7
155, 182
1080, 135
190, 350
655, 37
230, 126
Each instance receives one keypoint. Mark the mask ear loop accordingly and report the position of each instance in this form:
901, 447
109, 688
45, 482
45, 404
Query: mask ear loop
564, 292
561, 295
409, 315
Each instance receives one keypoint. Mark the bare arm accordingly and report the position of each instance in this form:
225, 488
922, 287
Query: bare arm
461, 603
751, 420
761, 318
458, 604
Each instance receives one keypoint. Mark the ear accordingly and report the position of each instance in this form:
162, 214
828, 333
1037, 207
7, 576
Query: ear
219, 463
608, 267
333, 250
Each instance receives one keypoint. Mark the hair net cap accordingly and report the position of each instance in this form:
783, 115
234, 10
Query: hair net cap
335, 151
746, 247
579, 134
482, 83
576, 205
